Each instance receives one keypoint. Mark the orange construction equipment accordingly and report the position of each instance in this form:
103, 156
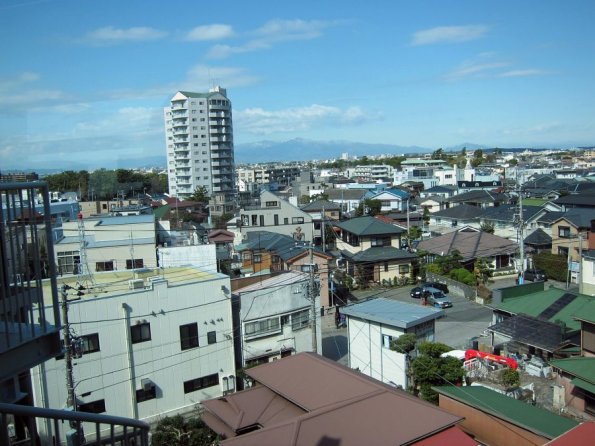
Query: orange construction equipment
503, 360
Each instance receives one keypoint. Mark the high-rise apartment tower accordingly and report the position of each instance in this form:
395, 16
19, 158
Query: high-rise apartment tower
199, 141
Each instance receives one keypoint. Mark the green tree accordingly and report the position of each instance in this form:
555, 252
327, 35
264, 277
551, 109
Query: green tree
404, 344
177, 431
368, 207
414, 233
103, 184
555, 266
510, 377
200, 194
483, 270
438, 154
513, 162
487, 227
426, 216
429, 369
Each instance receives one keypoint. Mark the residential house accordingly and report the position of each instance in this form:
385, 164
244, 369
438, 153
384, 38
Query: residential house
576, 375
584, 200
472, 244
223, 241
433, 203
307, 399
112, 243
506, 218
371, 327
538, 241
498, 420
441, 190
570, 233
276, 317
429, 172
323, 212
372, 250
274, 214
480, 198
392, 200
267, 252
456, 216
347, 199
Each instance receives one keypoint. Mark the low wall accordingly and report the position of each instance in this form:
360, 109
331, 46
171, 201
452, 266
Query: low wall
455, 288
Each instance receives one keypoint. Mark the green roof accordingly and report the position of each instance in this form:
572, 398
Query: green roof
534, 201
535, 303
580, 367
585, 385
587, 313
534, 419
369, 226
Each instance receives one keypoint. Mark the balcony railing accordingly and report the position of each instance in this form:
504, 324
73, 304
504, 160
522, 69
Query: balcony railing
27, 337
108, 430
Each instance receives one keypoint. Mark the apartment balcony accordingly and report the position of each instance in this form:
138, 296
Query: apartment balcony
27, 336
180, 131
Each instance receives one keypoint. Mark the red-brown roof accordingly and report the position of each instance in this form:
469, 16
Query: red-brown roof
221, 235
582, 434
340, 406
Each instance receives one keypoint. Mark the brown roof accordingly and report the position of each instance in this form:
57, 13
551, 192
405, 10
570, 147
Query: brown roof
339, 406
582, 434
472, 244
220, 235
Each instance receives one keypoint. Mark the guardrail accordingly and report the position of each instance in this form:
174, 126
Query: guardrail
109, 430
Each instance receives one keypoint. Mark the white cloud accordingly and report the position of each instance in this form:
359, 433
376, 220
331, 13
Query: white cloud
204, 76
110, 35
263, 122
448, 34
210, 32
18, 92
522, 73
475, 70
272, 32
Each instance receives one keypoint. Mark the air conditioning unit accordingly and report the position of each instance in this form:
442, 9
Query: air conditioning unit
136, 284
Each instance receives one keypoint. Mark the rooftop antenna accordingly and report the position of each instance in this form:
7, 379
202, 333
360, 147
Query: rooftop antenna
85, 277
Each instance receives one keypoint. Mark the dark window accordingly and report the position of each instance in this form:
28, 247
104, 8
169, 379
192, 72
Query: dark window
212, 337
257, 258
145, 395
140, 332
317, 225
385, 267
90, 343
297, 220
201, 383
276, 219
93, 407
300, 320
189, 336
564, 231
262, 220
104, 266
134, 263
380, 241
271, 204
255, 220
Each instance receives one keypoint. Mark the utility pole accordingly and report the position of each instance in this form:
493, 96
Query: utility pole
580, 260
312, 297
71, 398
521, 224
323, 232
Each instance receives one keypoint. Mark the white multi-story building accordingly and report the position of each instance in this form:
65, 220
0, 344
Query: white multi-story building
199, 141
430, 172
371, 172
144, 348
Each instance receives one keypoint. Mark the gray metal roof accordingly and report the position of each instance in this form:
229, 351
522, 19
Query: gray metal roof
369, 226
392, 312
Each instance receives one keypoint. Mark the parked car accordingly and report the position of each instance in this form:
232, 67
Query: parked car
416, 292
439, 286
535, 275
437, 298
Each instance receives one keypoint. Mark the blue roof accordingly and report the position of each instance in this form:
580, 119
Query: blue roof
125, 220
392, 312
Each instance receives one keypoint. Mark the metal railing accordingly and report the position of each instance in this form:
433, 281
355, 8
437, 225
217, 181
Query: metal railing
109, 430
27, 337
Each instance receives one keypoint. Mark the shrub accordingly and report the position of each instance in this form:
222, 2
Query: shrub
555, 266
510, 377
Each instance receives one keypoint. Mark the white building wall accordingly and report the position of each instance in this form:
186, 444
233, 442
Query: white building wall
200, 256
115, 372
587, 285
368, 354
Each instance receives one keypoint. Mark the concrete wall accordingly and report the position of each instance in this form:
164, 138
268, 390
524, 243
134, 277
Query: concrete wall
201, 256
368, 354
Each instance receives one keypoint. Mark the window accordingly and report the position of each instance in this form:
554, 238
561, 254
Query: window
276, 219
564, 231
104, 266
385, 267
297, 220
271, 204
286, 221
134, 263
93, 407
90, 343
146, 395
403, 269
262, 220
68, 262
300, 319
262, 328
257, 258
255, 220
189, 336
140, 332
212, 337
317, 225
380, 241
201, 383
386, 340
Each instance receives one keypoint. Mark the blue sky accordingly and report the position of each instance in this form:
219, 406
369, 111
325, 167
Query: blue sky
83, 83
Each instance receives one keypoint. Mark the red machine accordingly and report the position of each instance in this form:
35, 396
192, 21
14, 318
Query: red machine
509, 362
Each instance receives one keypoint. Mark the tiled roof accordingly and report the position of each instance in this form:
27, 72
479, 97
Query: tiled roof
580, 217
586, 199
461, 211
379, 254
470, 244
508, 212
538, 237
368, 226
345, 194
534, 419
478, 196
318, 205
